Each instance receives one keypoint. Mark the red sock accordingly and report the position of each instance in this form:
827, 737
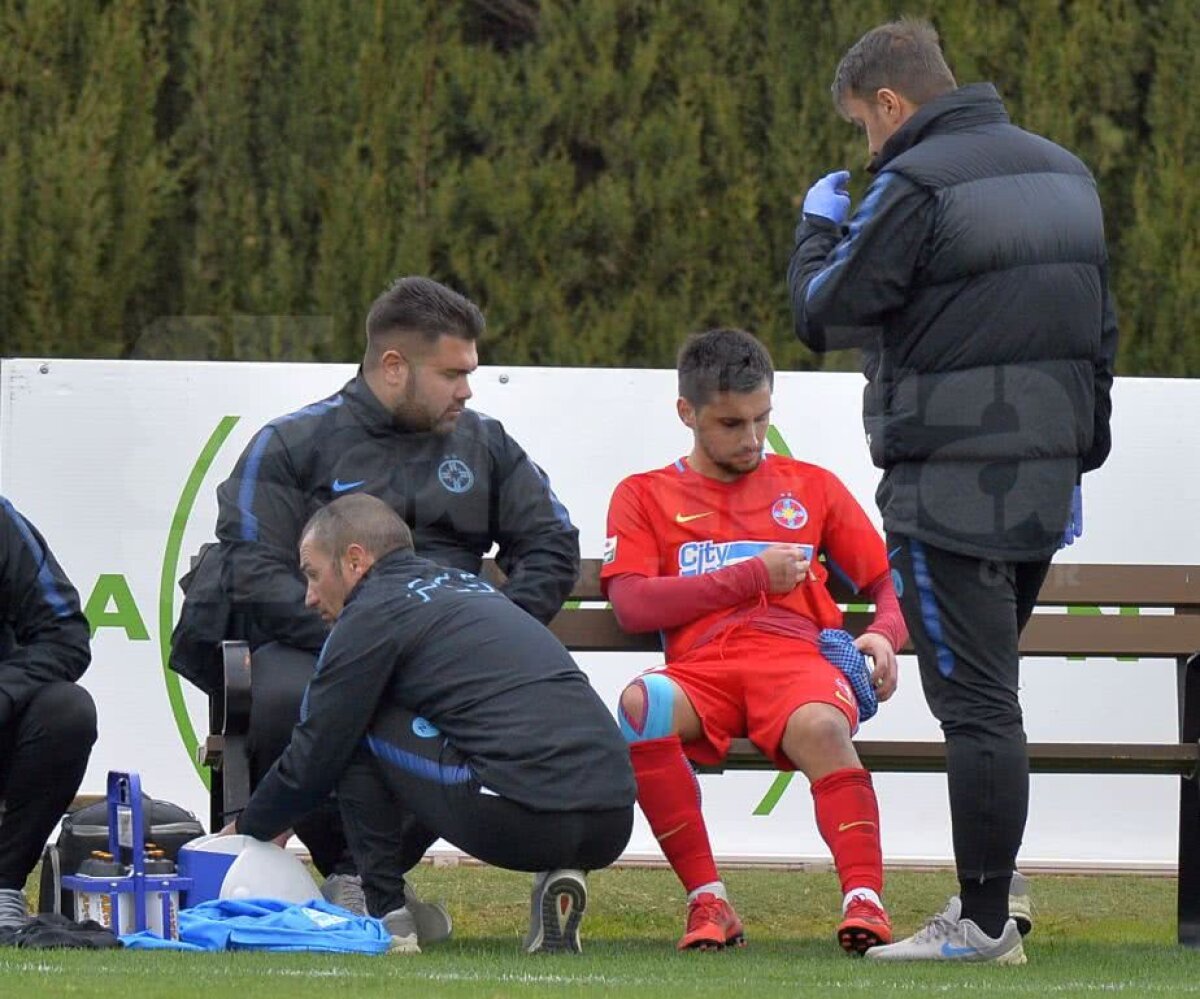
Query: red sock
848, 819
670, 798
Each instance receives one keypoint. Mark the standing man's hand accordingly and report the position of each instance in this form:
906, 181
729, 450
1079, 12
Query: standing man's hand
828, 197
786, 566
1074, 528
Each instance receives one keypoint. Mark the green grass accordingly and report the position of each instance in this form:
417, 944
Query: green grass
1093, 935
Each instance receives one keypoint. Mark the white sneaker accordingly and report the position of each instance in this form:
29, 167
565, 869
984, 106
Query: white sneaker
432, 921
948, 937
556, 909
403, 929
1020, 906
14, 911
346, 892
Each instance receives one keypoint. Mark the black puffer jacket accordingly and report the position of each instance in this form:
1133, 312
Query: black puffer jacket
974, 275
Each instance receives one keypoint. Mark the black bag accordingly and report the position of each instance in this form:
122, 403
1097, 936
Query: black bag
167, 826
204, 622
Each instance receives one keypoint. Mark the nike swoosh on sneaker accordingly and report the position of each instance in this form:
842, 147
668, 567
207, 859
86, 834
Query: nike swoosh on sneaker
338, 486
949, 950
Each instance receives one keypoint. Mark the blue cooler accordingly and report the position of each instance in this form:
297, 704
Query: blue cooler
242, 867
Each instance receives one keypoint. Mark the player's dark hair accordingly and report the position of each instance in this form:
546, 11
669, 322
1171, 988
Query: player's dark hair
904, 56
422, 306
358, 519
722, 360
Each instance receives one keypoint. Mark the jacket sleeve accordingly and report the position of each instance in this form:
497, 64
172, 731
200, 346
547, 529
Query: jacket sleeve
844, 283
1105, 362
538, 544
352, 674
42, 612
261, 510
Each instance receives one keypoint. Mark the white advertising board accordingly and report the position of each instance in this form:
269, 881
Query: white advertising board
117, 463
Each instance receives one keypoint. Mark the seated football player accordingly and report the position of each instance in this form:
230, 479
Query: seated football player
717, 551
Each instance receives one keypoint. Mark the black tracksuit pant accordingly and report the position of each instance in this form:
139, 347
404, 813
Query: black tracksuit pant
964, 616
44, 750
407, 768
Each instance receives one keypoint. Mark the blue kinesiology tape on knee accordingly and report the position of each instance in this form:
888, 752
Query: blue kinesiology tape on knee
659, 695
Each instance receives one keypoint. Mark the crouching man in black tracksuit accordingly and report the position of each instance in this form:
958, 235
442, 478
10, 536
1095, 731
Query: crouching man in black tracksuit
436, 695
47, 721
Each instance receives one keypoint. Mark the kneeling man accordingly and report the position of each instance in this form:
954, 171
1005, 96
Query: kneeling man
436, 695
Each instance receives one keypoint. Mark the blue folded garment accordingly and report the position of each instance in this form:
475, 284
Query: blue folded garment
838, 647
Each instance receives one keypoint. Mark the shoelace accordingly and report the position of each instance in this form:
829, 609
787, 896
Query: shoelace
707, 911
350, 894
12, 907
937, 926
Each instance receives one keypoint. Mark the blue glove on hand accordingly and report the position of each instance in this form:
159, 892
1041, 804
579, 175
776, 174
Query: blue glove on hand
828, 198
1074, 528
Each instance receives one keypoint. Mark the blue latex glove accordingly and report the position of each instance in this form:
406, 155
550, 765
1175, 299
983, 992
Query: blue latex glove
1074, 528
828, 198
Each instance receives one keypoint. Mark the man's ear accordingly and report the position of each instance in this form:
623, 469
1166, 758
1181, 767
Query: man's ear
395, 367
687, 414
358, 559
893, 105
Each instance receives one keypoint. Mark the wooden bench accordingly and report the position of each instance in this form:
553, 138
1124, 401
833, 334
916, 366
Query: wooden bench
586, 624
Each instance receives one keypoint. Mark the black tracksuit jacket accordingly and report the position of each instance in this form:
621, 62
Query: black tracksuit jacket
974, 274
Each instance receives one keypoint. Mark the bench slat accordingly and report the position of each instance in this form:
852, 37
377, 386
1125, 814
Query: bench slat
595, 629
1044, 757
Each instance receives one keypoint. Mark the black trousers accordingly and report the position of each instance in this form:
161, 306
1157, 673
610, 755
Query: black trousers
965, 616
44, 752
278, 677
408, 769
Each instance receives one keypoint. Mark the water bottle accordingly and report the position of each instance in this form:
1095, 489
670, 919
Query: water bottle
162, 897
100, 875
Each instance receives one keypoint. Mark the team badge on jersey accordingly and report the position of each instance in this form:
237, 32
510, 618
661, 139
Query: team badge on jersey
455, 475
610, 549
788, 512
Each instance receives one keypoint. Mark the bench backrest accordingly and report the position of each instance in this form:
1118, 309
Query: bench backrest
1099, 610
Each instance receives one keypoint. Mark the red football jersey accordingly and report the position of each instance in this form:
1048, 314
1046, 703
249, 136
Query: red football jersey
674, 521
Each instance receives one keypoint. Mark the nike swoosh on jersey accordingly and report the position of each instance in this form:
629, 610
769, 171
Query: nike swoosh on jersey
338, 486
687, 518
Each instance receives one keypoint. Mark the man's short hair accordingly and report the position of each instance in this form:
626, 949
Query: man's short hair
420, 305
904, 56
358, 519
722, 360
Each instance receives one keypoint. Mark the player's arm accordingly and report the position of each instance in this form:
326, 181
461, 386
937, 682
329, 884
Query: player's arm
856, 552
41, 607
261, 511
844, 281
538, 545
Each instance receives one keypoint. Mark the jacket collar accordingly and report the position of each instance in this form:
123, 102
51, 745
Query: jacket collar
967, 107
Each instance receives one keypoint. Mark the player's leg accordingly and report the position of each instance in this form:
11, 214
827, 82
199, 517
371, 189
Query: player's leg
801, 708
657, 717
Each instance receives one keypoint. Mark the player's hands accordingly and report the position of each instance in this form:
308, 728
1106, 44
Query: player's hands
828, 197
885, 675
1074, 528
787, 567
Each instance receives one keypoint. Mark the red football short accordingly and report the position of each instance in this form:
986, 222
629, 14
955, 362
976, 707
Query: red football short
748, 683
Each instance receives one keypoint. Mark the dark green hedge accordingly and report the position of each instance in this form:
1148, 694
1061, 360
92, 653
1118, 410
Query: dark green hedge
239, 178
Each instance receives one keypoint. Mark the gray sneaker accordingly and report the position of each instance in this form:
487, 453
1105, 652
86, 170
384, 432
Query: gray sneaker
403, 929
948, 937
1020, 906
14, 912
346, 892
432, 921
556, 909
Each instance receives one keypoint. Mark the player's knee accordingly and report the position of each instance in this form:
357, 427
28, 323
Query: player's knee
647, 708
819, 729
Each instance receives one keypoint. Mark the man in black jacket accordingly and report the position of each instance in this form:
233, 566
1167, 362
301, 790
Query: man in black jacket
399, 430
47, 721
974, 275
436, 695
